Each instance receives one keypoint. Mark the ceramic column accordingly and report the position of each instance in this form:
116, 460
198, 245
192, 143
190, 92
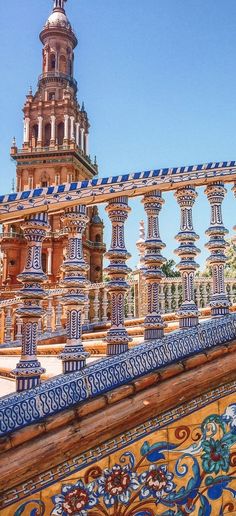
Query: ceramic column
219, 301
28, 371
19, 329
169, 296
104, 306
117, 337
162, 298
8, 324
188, 311
130, 303
96, 304
58, 325
198, 295
73, 356
153, 261
49, 316
86, 308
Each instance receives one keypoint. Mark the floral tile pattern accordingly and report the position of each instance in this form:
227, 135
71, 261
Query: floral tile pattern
185, 469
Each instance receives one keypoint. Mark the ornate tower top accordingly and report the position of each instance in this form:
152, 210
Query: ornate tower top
59, 4
54, 121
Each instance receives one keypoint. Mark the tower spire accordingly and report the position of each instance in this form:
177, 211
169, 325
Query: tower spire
59, 4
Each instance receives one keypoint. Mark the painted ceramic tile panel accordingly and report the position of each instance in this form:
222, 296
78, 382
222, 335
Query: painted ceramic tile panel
187, 469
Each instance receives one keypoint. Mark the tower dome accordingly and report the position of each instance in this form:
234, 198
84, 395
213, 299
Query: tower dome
58, 16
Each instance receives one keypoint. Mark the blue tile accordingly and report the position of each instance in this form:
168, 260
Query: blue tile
50, 190
25, 195
61, 188
37, 192
73, 186
12, 197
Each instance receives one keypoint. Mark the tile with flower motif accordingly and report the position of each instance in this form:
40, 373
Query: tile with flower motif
154, 445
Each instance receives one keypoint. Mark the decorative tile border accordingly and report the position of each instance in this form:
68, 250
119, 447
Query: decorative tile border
100, 189
86, 459
62, 392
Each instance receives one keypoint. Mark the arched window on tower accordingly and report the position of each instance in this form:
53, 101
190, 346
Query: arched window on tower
52, 63
62, 64
45, 180
98, 238
47, 135
60, 133
34, 135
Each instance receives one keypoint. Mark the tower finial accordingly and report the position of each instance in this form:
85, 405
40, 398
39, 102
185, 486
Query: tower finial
59, 4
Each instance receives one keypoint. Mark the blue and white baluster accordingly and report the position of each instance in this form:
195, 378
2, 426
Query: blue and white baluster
28, 371
219, 301
153, 261
73, 356
188, 311
117, 337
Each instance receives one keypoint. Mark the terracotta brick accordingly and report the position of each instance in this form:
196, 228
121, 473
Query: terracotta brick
146, 381
60, 419
217, 352
92, 406
232, 346
192, 362
26, 434
5, 444
119, 394
171, 371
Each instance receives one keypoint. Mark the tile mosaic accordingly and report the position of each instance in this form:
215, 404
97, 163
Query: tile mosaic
148, 477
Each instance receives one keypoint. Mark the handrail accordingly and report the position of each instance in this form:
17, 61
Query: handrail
65, 391
100, 190
58, 75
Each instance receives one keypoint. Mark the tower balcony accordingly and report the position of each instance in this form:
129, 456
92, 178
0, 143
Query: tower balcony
11, 235
49, 77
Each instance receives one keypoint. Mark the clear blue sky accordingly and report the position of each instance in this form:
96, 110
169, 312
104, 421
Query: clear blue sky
158, 78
